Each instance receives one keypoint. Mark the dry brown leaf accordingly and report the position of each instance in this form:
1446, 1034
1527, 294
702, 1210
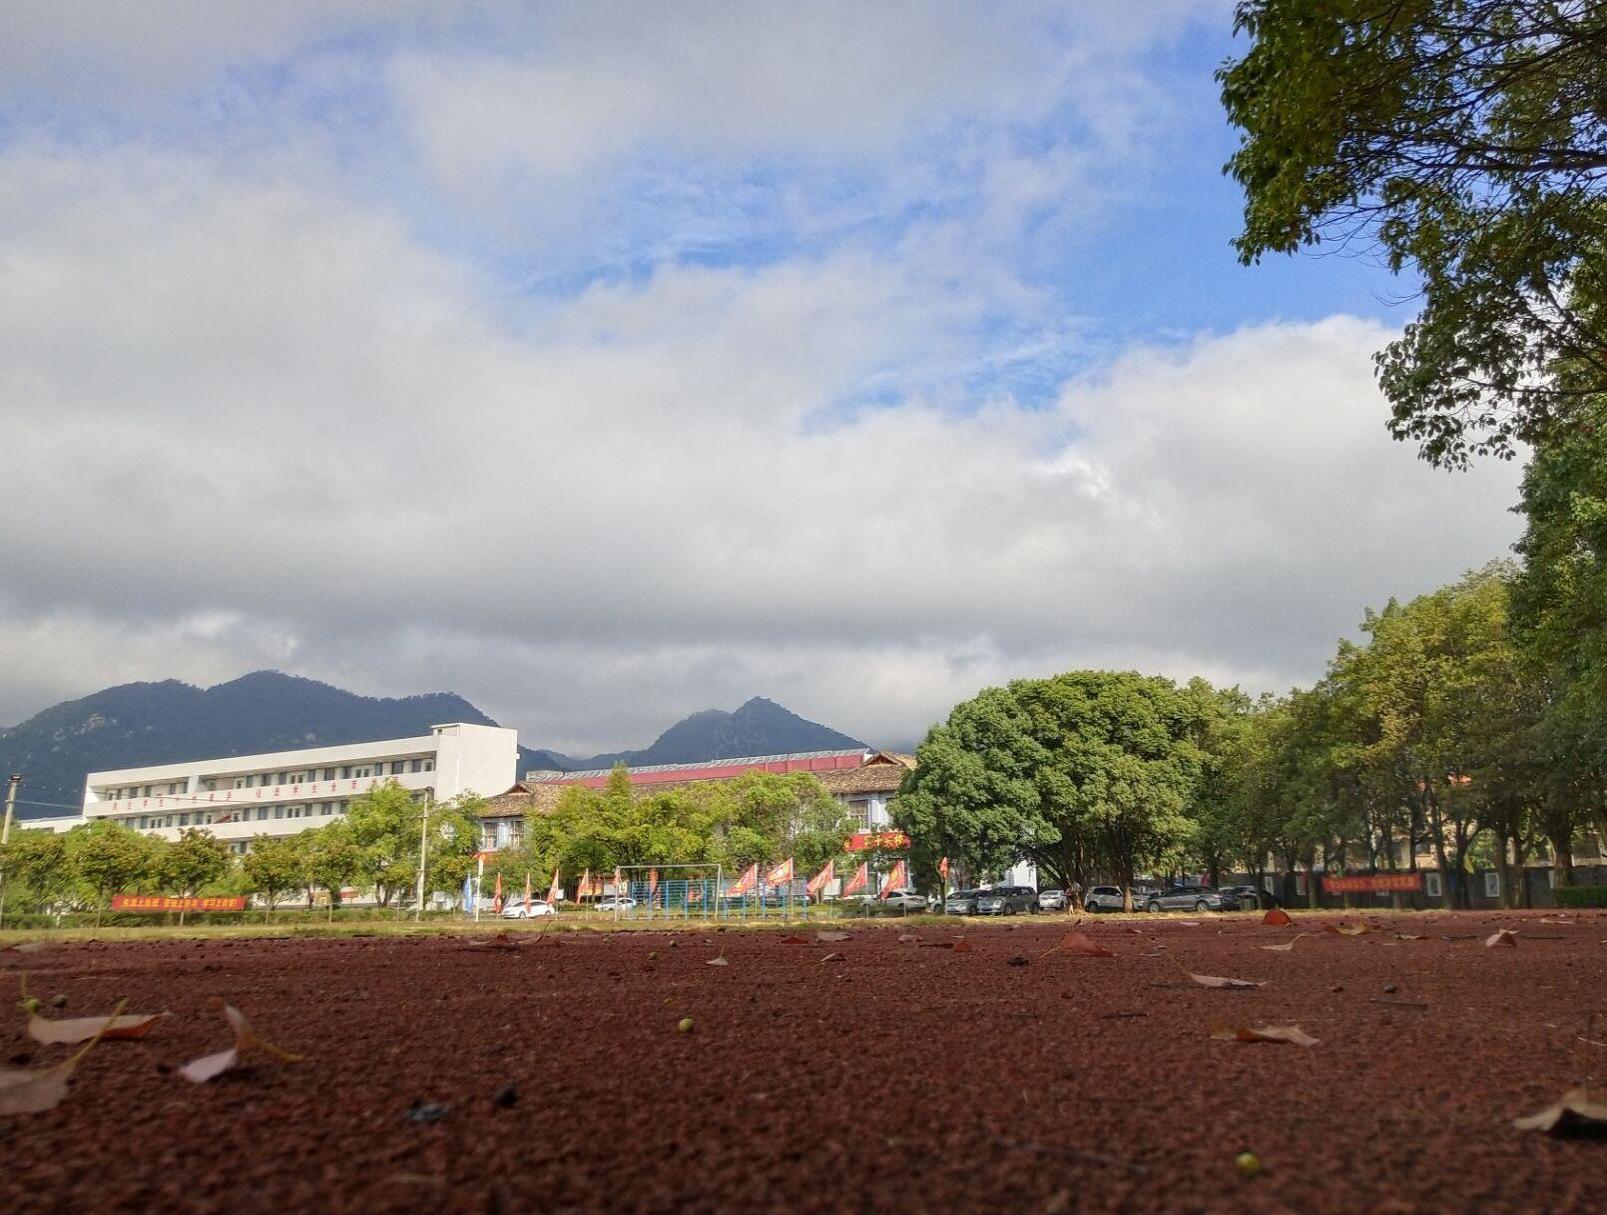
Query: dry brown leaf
33, 1090
1277, 916
1409, 936
1287, 945
1263, 1033
908, 938
246, 1040
834, 936
794, 939
719, 961
1505, 938
963, 946
1576, 1113
81, 1029
834, 957
1082, 944
1347, 930
500, 940
1219, 981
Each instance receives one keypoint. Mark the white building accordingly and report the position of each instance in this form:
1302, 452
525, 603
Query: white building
286, 792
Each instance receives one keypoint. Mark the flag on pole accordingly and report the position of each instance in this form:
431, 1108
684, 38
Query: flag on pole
619, 882
745, 883
527, 894
652, 884
822, 879
781, 875
468, 892
943, 869
896, 880
585, 890
554, 890
859, 881
496, 897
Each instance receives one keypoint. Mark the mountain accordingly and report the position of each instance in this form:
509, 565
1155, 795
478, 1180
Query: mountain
760, 727
136, 724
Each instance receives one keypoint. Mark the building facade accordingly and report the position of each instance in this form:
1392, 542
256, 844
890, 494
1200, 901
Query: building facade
286, 792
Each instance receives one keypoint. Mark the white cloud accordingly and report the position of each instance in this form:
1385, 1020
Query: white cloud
264, 424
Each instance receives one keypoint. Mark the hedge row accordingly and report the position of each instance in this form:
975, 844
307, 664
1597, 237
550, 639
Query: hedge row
1581, 896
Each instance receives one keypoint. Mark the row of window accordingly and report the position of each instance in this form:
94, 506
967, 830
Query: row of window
397, 767
205, 818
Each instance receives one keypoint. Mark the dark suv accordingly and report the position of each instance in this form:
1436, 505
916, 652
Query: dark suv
1006, 900
1188, 898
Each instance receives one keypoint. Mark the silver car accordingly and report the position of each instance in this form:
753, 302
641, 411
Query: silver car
1188, 898
1053, 900
1102, 898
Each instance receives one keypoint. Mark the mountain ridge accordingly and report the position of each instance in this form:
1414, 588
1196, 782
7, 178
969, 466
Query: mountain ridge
168, 721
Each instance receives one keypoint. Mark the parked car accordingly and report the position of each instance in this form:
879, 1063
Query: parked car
1053, 900
1249, 898
961, 902
515, 910
1102, 898
1187, 898
616, 902
902, 900
1007, 900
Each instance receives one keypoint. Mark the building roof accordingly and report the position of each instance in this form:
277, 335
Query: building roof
521, 800
713, 769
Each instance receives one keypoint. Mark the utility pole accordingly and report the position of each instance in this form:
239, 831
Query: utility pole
423, 854
5, 835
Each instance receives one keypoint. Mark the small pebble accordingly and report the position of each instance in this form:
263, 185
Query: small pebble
1390, 989
1018, 960
59, 1000
426, 1112
507, 1097
1337, 987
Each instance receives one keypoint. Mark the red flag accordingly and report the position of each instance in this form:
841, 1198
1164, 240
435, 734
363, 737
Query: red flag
780, 875
820, 881
652, 884
554, 890
943, 869
619, 883
496, 899
745, 883
859, 881
896, 880
527, 894
585, 885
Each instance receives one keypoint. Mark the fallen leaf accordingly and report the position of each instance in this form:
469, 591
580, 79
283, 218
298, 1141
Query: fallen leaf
1409, 936
835, 936
1277, 916
1505, 938
1082, 944
908, 938
1219, 981
499, 941
719, 961
33, 1090
25, 947
245, 1040
793, 939
834, 957
1347, 930
1287, 945
1575, 1113
962, 946
82, 1029
1263, 1033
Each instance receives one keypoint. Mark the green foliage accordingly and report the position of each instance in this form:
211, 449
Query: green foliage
333, 858
109, 858
1465, 140
193, 861
1581, 896
276, 865
1084, 770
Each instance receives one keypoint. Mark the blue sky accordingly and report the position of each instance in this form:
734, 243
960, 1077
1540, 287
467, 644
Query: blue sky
603, 362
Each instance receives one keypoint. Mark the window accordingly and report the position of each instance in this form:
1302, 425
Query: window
399, 767
429, 765
297, 777
265, 779
278, 812
329, 774
325, 810
418, 765
173, 787
184, 820
144, 821
262, 813
364, 770
861, 811
208, 786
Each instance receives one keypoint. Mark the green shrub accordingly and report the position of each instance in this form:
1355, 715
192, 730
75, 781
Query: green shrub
1581, 896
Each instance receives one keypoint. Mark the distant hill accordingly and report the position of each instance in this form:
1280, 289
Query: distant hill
136, 724
759, 727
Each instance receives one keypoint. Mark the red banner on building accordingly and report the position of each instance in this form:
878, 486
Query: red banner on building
862, 840
1363, 883
163, 902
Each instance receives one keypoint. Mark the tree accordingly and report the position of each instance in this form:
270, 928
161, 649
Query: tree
1090, 768
275, 865
34, 864
334, 859
110, 859
1465, 140
384, 823
193, 861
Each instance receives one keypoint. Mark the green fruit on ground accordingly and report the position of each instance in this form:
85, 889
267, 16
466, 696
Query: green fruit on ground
1248, 1164
685, 1026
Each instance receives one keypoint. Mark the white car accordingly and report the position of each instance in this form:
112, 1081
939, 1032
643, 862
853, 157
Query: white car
616, 902
515, 910
901, 900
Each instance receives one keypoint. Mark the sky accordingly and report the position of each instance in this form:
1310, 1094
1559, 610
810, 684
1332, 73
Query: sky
607, 362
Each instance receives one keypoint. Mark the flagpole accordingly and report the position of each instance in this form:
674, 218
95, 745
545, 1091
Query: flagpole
479, 881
